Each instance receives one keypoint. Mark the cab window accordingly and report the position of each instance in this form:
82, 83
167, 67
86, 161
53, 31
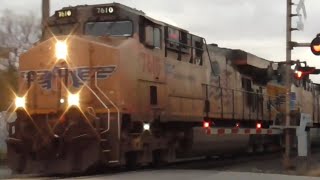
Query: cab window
116, 28
173, 34
197, 50
189, 48
173, 39
59, 30
152, 36
178, 40
157, 37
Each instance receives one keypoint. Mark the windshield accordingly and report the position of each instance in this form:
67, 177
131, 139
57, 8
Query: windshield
61, 29
117, 28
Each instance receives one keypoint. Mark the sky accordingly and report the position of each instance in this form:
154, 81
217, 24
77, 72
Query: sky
256, 26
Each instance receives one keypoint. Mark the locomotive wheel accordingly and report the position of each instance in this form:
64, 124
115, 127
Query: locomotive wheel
132, 160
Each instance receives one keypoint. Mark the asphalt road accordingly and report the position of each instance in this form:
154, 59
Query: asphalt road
194, 175
187, 175
253, 167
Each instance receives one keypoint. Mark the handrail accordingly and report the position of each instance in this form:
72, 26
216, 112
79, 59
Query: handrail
205, 42
238, 90
243, 92
183, 44
106, 130
112, 103
92, 91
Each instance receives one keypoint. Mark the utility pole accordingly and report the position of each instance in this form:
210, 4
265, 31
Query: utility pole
288, 130
45, 13
286, 158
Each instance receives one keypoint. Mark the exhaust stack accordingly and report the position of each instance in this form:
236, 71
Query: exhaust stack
45, 12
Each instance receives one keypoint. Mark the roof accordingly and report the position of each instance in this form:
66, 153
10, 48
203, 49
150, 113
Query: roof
240, 57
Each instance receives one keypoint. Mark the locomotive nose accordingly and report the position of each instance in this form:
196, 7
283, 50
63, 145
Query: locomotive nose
55, 74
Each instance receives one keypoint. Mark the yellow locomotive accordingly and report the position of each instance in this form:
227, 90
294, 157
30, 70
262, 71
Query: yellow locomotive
109, 85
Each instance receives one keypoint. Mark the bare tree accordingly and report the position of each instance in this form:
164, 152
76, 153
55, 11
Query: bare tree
18, 33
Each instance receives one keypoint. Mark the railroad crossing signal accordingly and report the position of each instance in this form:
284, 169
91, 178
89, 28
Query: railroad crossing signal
301, 72
315, 45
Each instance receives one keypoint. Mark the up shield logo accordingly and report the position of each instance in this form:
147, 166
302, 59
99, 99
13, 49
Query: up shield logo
76, 77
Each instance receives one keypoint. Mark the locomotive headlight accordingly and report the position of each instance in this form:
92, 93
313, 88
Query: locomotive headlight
20, 102
74, 100
61, 50
146, 126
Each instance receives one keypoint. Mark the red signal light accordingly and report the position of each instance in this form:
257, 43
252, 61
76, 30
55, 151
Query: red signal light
206, 124
315, 45
316, 48
259, 125
298, 74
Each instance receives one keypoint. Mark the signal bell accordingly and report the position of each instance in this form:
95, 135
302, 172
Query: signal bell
315, 45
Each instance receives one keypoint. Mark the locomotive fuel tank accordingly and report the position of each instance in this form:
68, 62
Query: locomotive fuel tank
204, 144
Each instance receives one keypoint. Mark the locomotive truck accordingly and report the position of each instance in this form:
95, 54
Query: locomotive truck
108, 85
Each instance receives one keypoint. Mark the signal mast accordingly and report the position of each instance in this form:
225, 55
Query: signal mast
289, 47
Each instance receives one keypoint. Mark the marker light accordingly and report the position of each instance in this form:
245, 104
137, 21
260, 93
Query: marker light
146, 127
61, 50
61, 101
73, 100
206, 124
20, 102
259, 125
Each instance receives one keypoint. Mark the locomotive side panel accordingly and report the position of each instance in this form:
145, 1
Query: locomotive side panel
184, 90
237, 93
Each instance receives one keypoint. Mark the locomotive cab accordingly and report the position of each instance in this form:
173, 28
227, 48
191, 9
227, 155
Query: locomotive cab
99, 20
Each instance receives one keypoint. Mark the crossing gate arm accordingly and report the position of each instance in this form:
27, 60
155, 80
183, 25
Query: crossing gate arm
241, 131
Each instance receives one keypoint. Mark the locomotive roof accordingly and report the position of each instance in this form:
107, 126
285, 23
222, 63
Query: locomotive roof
250, 59
127, 9
241, 57
124, 7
